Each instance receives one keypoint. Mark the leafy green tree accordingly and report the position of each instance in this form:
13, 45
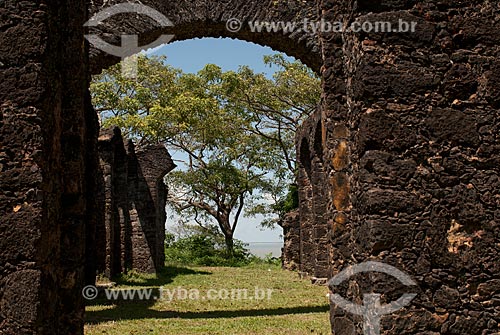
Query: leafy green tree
235, 131
218, 183
277, 107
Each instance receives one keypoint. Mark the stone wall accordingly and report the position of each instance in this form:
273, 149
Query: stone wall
207, 18
131, 231
411, 124
314, 228
290, 253
147, 199
46, 148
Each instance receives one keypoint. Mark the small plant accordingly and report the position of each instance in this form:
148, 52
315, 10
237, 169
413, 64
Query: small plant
268, 259
101, 279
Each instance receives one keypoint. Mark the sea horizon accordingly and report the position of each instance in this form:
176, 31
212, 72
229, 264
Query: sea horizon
262, 249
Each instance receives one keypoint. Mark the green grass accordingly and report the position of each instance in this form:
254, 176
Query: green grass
295, 306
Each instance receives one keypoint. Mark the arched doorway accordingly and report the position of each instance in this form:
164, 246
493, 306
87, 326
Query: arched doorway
292, 45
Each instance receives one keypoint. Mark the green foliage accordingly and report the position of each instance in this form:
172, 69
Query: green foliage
289, 202
268, 259
273, 212
204, 249
235, 129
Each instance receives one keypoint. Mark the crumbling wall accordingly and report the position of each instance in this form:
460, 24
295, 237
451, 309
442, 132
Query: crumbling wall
410, 128
147, 199
290, 253
46, 145
313, 216
132, 198
306, 213
112, 233
48, 160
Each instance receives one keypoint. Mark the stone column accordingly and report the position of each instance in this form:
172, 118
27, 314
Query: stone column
113, 199
290, 254
44, 133
320, 187
147, 200
418, 144
313, 198
307, 247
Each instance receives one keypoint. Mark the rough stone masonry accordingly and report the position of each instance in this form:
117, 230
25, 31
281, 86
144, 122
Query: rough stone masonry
408, 158
411, 137
130, 233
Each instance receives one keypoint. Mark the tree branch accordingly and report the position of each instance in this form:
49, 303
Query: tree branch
238, 212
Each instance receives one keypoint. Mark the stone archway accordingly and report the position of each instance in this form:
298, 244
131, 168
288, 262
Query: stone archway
49, 140
200, 19
197, 19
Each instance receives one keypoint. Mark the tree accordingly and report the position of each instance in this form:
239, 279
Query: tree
218, 187
235, 131
275, 109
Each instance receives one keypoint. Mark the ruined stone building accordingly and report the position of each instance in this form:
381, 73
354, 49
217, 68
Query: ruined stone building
400, 165
306, 231
131, 201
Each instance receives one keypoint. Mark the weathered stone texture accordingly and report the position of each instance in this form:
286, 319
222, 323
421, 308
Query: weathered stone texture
290, 253
147, 200
418, 113
43, 127
314, 229
130, 233
202, 18
401, 166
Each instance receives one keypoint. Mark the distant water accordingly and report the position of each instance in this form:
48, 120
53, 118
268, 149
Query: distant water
261, 249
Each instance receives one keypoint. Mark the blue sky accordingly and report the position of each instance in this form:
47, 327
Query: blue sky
192, 56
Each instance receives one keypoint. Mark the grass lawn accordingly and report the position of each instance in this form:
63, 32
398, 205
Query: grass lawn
295, 306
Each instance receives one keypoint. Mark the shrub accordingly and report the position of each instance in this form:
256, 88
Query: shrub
204, 249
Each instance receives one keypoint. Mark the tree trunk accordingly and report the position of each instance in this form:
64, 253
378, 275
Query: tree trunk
225, 226
229, 244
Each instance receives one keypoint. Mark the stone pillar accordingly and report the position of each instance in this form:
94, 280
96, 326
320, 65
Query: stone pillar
122, 227
314, 226
132, 198
44, 133
290, 254
107, 230
92, 178
305, 206
111, 232
320, 224
147, 200
413, 148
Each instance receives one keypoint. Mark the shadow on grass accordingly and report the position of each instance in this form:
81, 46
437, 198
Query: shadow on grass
141, 310
123, 309
166, 276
